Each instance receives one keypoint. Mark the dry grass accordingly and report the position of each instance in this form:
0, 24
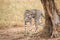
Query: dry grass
11, 11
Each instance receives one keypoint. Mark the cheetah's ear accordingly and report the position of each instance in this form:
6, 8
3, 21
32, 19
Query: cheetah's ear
27, 10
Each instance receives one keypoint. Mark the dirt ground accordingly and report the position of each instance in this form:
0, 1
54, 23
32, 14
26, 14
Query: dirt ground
17, 33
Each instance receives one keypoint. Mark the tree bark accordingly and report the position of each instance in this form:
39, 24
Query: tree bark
51, 11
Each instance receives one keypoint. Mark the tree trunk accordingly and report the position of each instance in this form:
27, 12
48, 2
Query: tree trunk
51, 12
